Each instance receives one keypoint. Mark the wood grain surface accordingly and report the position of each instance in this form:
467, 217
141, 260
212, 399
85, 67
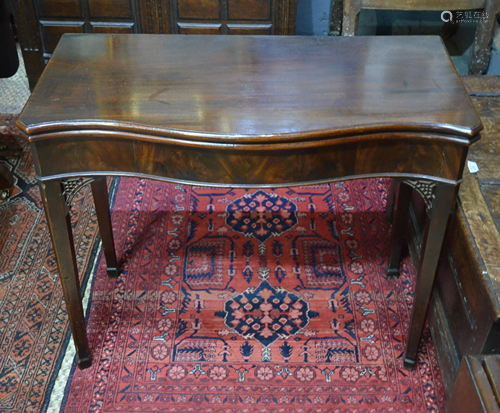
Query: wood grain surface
250, 89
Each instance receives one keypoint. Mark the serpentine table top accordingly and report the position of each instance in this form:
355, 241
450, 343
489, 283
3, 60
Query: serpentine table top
249, 89
249, 112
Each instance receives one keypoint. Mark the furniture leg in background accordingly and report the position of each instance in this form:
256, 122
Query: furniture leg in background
101, 201
391, 194
401, 194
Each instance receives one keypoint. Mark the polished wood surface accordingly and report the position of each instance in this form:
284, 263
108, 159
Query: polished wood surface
250, 112
41, 23
250, 89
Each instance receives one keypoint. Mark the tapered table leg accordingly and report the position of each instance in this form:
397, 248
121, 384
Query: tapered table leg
6, 182
391, 195
58, 221
434, 232
401, 209
101, 201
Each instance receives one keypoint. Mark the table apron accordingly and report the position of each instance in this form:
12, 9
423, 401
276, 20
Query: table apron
270, 165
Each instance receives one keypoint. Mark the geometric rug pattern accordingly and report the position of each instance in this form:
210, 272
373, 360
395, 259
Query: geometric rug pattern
265, 300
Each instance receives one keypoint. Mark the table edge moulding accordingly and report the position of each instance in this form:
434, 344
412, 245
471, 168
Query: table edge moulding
248, 112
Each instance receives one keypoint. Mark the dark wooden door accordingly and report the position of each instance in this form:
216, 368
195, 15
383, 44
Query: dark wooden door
41, 23
231, 17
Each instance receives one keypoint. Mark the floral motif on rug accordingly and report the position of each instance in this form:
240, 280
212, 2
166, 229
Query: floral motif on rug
270, 300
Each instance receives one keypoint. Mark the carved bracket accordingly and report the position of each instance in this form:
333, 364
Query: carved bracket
425, 189
71, 186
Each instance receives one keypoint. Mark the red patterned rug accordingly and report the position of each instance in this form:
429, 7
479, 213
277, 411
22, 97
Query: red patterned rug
252, 301
33, 320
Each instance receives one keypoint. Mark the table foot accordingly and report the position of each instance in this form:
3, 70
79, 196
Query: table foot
402, 197
4, 194
101, 201
6, 182
84, 363
392, 273
409, 364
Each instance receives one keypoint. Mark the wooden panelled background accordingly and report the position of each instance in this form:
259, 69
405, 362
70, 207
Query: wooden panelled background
41, 23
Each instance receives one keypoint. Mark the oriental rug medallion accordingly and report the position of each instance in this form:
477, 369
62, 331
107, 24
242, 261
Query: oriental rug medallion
269, 300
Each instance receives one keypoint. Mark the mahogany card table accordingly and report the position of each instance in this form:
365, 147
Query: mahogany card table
242, 111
